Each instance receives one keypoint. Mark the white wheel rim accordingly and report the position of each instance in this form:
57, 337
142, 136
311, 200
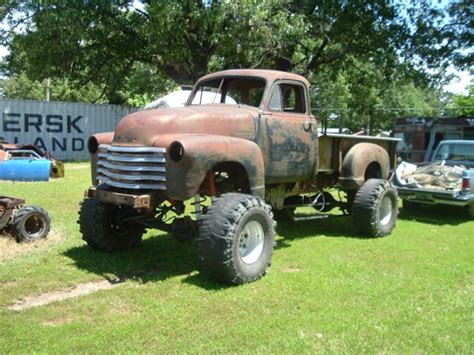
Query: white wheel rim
386, 211
251, 242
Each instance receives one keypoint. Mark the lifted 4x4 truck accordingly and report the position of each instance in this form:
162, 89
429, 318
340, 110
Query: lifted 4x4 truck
255, 149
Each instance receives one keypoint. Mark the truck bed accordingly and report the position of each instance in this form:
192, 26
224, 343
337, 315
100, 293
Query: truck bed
454, 186
333, 147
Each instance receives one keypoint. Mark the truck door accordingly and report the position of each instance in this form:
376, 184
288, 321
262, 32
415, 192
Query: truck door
291, 134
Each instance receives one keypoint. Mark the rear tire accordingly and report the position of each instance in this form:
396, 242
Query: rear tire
236, 239
30, 223
375, 208
102, 228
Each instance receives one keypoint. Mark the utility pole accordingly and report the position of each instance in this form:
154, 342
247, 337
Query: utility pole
48, 85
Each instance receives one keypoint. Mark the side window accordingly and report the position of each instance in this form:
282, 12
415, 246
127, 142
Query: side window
288, 98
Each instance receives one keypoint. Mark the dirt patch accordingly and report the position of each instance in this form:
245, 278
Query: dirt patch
55, 296
9, 248
55, 322
292, 269
77, 291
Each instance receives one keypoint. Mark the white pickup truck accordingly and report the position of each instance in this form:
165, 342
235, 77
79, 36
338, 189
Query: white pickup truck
448, 179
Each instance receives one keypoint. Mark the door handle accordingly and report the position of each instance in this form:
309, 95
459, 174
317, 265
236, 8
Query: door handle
308, 125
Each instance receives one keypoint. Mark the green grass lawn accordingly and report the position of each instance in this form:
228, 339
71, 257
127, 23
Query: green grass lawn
327, 289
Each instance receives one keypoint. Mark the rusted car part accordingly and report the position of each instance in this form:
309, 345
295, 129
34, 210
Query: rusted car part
25, 223
18, 152
257, 145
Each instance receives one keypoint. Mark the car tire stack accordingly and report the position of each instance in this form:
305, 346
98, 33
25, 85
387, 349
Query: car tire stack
30, 223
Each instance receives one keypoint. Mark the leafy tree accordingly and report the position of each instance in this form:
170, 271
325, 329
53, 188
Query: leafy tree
362, 98
19, 86
355, 53
462, 105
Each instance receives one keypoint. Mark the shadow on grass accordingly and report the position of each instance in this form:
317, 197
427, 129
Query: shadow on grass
160, 257
337, 226
435, 214
157, 258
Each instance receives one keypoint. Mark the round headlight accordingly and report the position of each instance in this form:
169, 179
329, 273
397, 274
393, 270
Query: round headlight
176, 151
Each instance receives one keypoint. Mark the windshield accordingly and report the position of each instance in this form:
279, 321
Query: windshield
457, 151
229, 90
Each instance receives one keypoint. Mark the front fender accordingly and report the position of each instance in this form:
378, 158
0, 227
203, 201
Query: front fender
201, 154
92, 145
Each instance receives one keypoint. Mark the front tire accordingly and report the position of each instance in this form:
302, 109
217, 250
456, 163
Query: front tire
375, 208
102, 226
236, 239
30, 223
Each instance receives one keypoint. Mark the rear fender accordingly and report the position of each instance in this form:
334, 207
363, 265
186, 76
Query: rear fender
201, 154
356, 162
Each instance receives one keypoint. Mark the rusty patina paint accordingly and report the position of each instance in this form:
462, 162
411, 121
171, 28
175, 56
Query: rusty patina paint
202, 153
145, 127
276, 150
357, 161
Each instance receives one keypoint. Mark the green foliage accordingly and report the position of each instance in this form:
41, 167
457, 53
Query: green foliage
463, 105
19, 86
405, 99
362, 97
137, 50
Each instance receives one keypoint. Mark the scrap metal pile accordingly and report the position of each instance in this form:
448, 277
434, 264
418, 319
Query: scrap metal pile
436, 176
25, 223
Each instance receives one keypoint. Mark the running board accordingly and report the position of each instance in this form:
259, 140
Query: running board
309, 218
316, 217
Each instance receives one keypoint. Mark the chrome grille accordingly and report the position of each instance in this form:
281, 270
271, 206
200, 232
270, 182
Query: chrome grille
132, 167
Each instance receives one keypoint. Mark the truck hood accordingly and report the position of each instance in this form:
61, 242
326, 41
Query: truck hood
145, 127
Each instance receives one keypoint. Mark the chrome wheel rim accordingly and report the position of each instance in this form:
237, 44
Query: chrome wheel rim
251, 242
386, 211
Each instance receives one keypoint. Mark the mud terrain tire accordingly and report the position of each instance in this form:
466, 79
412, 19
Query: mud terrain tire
30, 223
236, 239
375, 208
102, 229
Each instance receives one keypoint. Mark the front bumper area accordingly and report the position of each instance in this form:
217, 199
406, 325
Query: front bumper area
145, 201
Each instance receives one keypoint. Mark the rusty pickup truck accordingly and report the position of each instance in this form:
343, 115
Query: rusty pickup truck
251, 154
